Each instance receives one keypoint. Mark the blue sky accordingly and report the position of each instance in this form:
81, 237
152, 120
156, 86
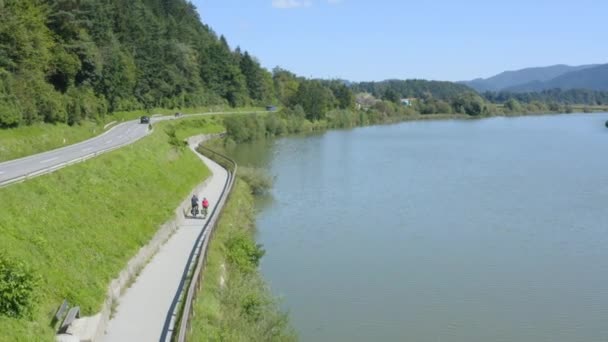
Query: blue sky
364, 40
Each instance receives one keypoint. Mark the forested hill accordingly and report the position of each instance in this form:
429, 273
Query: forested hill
67, 60
594, 78
509, 79
413, 88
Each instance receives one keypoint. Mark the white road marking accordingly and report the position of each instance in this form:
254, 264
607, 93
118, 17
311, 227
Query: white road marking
1, 172
48, 160
87, 149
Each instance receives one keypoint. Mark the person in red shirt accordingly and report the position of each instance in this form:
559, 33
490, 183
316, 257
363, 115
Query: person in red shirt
205, 206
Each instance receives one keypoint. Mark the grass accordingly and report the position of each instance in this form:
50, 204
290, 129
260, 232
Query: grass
27, 140
78, 227
188, 127
242, 310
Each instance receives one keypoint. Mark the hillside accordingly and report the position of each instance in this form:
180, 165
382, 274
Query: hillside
65, 61
595, 78
514, 78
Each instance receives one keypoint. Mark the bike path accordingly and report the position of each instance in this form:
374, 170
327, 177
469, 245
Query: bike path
143, 308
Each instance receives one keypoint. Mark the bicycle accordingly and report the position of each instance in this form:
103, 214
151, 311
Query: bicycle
194, 210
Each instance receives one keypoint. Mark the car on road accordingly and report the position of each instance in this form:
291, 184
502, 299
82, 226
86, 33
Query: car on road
144, 120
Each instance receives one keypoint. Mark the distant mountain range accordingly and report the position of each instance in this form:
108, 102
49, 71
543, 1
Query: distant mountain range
592, 76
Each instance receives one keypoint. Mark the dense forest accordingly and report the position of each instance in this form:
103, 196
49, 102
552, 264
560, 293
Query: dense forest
67, 60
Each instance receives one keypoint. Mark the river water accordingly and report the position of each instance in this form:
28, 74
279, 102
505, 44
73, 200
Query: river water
484, 230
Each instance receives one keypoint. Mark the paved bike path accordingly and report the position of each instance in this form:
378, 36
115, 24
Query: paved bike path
143, 308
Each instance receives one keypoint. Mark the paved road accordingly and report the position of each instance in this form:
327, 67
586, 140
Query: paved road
122, 134
143, 308
119, 135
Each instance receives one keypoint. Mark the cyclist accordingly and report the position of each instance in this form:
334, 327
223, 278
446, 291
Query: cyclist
194, 203
205, 206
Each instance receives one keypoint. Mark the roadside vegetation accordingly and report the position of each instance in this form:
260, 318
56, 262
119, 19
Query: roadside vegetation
27, 140
67, 234
235, 304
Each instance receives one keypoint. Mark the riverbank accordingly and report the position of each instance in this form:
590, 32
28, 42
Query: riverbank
245, 129
41, 137
235, 303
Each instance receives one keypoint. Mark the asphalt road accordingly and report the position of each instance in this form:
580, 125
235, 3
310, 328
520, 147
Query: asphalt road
31, 166
122, 134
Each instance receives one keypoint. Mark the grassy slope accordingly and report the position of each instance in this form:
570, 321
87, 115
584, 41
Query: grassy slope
28, 140
244, 309
79, 226
188, 127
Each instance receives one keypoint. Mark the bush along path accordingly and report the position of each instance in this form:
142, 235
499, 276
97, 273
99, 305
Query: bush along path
143, 308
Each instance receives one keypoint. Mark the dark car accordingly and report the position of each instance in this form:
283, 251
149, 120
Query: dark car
144, 120
271, 108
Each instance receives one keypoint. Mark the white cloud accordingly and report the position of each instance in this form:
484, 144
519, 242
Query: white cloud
291, 3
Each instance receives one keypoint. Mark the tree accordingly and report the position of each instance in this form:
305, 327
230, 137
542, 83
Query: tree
391, 95
315, 98
343, 94
469, 103
513, 106
286, 84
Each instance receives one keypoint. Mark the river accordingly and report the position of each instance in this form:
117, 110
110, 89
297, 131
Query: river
481, 230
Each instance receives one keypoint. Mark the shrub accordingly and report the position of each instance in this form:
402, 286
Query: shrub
10, 113
258, 179
243, 252
17, 285
173, 139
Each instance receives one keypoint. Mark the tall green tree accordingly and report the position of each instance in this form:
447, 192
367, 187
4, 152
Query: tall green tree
315, 98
